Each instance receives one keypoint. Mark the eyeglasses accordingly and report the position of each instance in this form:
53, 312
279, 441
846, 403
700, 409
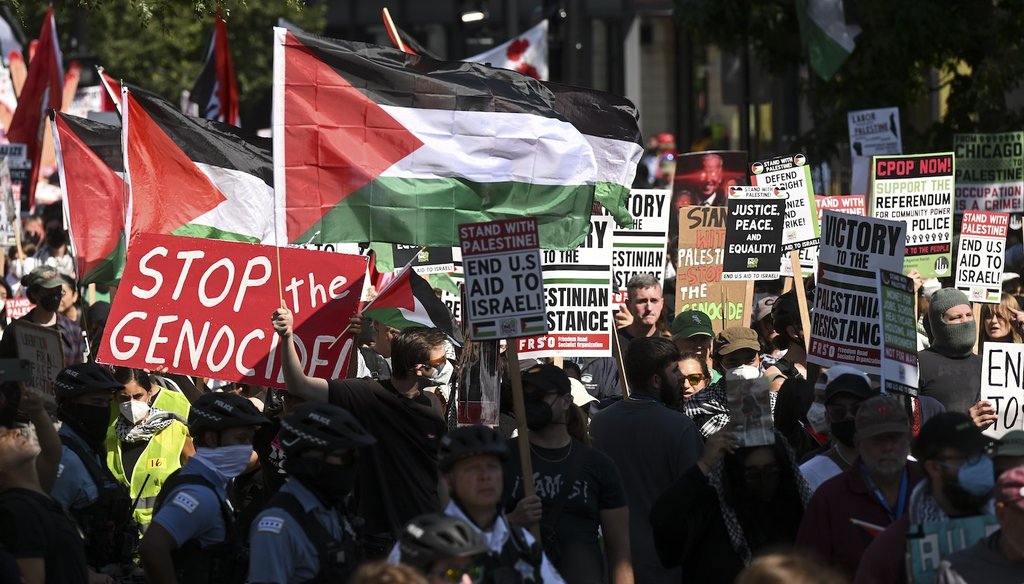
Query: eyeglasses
694, 379
454, 575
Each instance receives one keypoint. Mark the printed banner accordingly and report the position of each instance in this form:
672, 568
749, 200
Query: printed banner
753, 233
699, 284
750, 410
702, 179
202, 307
979, 259
42, 348
872, 133
17, 307
899, 333
791, 176
479, 383
849, 204
1002, 385
989, 172
845, 327
425, 260
504, 283
918, 190
929, 543
641, 249
9, 207
576, 284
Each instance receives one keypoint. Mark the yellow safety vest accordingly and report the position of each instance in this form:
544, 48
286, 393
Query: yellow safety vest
161, 457
172, 401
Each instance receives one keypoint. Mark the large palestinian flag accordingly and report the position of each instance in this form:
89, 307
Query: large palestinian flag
372, 144
409, 301
90, 165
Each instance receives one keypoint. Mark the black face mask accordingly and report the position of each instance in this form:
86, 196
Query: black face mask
90, 422
50, 302
330, 482
538, 414
55, 238
843, 431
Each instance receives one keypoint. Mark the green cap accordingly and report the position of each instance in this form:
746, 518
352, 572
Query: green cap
691, 323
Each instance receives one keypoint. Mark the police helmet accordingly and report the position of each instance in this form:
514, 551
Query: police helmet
469, 441
429, 538
325, 427
83, 378
216, 411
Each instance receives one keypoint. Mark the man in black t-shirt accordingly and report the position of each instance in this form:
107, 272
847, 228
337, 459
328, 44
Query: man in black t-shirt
397, 478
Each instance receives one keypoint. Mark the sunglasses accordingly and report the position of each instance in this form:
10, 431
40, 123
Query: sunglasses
435, 363
454, 575
694, 378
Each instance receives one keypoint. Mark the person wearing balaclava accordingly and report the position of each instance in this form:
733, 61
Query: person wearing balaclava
45, 290
949, 370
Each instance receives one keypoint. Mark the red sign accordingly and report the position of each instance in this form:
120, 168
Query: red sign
849, 204
203, 307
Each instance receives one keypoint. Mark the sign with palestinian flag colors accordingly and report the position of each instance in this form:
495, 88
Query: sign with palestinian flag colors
372, 144
641, 248
504, 282
989, 172
90, 164
979, 258
576, 285
191, 305
792, 176
408, 301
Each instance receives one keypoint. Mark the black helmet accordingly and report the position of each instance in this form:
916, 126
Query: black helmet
83, 378
314, 426
429, 538
217, 411
469, 441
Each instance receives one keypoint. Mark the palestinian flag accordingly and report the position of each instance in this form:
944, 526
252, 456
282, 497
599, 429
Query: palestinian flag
216, 91
90, 165
409, 301
226, 174
608, 121
403, 41
372, 144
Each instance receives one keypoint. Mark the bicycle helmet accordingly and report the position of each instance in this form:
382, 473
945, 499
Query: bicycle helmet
216, 411
314, 426
469, 441
429, 538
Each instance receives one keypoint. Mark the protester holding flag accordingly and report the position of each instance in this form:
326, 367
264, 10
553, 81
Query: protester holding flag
950, 371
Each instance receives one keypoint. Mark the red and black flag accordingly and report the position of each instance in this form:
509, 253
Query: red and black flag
216, 91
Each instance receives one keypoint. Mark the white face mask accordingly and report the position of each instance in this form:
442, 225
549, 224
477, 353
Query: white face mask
134, 411
816, 416
229, 461
743, 372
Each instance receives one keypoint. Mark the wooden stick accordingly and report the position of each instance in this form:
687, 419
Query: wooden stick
801, 297
748, 303
519, 408
617, 347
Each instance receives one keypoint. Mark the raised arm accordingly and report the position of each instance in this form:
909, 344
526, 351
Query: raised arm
299, 384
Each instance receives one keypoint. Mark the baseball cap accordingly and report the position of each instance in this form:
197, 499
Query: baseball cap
736, 338
880, 415
849, 380
1011, 444
1010, 487
547, 378
953, 430
763, 308
44, 277
691, 323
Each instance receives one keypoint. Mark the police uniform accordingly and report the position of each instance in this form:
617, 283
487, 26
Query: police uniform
74, 487
280, 550
193, 511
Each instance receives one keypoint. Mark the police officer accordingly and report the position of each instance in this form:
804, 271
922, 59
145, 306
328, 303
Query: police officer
192, 537
303, 535
84, 487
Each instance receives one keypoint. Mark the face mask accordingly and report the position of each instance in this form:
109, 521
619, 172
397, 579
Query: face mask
50, 303
816, 416
538, 414
977, 478
843, 432
55, 238
744, 372
134, 411
90, 422
229, 461
331, 482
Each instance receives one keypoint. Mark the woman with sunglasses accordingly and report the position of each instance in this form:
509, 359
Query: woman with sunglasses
695, 374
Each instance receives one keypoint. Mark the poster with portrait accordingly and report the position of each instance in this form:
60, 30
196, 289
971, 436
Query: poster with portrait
704, 178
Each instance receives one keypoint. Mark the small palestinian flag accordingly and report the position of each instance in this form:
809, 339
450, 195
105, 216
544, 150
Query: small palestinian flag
409, 301
216, 91
372, 144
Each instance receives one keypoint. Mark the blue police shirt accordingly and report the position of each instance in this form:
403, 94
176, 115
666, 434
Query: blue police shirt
279, 551
74, 487
194, 511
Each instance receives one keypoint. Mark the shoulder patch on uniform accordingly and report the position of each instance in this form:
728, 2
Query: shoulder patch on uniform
270, 525
186, 502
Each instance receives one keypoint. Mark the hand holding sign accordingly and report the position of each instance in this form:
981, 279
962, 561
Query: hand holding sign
283, 321
623, 317
718, 445
983, 414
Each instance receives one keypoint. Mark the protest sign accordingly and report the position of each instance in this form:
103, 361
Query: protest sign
750, 410
17, 307
845, 326
20, 168
791, 176
641, 248
979, 259
918, 190
9, 207
425, 260
753, 233
899, 333
699, 284
872, 133
989, 172
576, 284
1002, 385
479, 383
42, 348
504, 284
928, 543
850, 204
202, 307
703, 178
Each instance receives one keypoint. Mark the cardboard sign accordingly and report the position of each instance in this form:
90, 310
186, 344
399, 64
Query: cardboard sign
753, 233
989, 172
850, 204
576, 284
9, 207
791, 176
1002, 385
918, 190
929, 543
504, 284
17, 307
845, 327
641, 248
899, 333
872, 133
202, 307
979, 260
42, 348
699, 284
425, 260
750, 410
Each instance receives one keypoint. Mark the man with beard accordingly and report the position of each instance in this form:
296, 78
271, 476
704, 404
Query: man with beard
949, 370
849, 509
579, 492
959, 481
651, 442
